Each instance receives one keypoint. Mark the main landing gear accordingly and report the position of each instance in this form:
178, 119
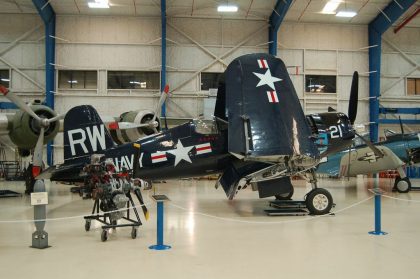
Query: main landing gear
318, 201
402, 185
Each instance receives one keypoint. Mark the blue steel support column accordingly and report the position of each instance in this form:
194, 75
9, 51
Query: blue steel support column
376, 28
163, 51
276, 18
374, 81
50, 77
48, 16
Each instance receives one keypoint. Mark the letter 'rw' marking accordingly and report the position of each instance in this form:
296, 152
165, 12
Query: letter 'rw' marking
95, 135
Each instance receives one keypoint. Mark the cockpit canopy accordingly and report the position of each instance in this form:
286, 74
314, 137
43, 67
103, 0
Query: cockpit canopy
205, 127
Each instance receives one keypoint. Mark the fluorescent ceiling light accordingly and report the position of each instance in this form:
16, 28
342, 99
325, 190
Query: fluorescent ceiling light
5, 79
346, 14
99, 4
227, 8
72, 81
331, 6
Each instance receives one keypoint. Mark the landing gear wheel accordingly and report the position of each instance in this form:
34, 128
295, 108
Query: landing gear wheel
134, 233
319, 201
402, 185
104, 235
87, 225
286, 196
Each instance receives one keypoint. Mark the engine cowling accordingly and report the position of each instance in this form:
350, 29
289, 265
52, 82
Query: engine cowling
131, 135
25, 130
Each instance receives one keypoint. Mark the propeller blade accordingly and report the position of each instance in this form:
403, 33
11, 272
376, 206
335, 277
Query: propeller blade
401, 125
57, 117
18, 102
126, 125
37, 159
378, 153
354, 97
163, 97
143, 206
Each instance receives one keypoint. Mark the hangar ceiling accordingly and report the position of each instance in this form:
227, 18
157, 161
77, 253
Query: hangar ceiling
300, 10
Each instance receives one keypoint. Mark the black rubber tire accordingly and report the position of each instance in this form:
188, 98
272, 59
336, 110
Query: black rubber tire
319, 201
286, 196
401, 186
133, 233
87, 226
104, 235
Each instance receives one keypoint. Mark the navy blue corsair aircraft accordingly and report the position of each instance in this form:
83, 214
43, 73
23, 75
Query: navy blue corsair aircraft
259, 137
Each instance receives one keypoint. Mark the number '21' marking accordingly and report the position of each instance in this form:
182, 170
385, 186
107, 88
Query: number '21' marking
336, 131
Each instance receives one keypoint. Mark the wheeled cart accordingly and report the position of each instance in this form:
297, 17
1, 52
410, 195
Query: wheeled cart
112, 222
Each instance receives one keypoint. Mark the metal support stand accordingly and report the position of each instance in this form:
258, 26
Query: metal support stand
160, 199
40, 237
112, 224
378, 194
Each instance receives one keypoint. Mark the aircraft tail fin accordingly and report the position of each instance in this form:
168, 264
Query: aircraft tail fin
84, 133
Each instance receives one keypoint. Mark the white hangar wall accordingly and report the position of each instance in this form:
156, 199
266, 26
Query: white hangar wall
133, 43
327, 49
22, 53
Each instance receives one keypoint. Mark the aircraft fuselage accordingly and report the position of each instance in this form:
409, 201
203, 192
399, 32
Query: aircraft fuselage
183, 151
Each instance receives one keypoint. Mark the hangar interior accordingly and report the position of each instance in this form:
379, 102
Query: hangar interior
119, 58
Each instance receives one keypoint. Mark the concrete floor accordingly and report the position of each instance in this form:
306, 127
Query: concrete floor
216, 238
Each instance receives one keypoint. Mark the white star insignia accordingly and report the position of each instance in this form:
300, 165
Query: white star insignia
267, 79
181, 153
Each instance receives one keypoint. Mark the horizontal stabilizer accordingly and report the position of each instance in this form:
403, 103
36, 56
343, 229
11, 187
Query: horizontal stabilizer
365, 161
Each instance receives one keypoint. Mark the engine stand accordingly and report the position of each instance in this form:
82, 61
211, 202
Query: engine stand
133, 223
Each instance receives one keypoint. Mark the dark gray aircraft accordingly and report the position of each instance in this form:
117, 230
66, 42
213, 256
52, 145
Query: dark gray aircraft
259, 137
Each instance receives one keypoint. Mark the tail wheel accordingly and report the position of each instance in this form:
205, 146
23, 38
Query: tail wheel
134, 233
286, 196
104, 235
402, 185
319, 201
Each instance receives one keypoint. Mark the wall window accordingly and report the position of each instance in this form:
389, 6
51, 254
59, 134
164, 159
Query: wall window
4, 78
77, 79
133, 80
320, 84
413, 86
210, 80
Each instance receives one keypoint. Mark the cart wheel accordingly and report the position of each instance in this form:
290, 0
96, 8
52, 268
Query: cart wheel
87, 225
402, 185
104, 235
134, 233
319, 201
